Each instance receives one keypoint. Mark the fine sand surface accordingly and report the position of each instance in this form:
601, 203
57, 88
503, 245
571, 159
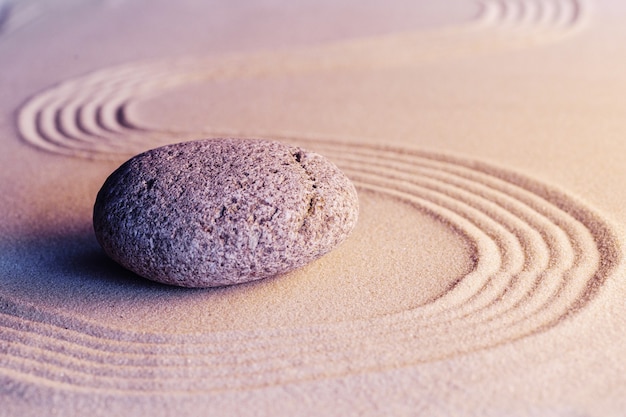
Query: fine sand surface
486, 140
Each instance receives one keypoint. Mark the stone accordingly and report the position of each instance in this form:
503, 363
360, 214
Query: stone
226, 211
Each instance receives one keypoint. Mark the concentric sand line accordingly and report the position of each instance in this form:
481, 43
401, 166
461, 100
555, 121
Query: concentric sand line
88, 116
532, 15
539, 257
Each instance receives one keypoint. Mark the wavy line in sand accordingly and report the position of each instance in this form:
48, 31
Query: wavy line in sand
88, 116
551, 15
539, 257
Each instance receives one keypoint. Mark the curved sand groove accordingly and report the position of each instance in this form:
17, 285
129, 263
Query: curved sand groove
540, 256
88, 116
552, 15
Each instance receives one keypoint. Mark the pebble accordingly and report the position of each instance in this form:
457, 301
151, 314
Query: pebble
218, 212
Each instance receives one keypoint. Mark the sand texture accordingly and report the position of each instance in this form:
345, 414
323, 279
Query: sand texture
485, 276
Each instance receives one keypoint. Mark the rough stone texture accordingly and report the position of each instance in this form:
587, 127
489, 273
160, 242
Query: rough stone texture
223, 211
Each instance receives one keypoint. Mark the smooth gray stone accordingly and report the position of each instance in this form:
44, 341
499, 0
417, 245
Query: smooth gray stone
223, 211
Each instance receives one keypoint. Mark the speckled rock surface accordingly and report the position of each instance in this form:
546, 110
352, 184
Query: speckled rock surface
223, 211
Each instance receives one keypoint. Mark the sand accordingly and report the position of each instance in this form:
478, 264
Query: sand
485, 275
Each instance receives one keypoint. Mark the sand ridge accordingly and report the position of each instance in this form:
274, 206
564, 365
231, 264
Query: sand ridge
88, 116
498, 290
540, 257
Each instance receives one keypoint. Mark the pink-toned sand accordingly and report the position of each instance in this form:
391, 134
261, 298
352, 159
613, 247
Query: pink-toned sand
485, 276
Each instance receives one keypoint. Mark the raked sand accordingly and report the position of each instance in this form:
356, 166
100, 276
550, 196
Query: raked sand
486, 273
